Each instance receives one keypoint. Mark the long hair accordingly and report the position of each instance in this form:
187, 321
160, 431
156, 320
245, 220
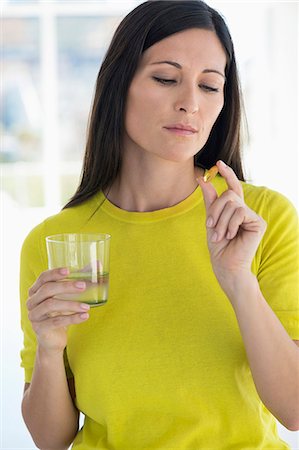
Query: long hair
145, 25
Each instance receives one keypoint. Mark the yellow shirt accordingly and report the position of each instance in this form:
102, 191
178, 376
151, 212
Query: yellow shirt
162, 365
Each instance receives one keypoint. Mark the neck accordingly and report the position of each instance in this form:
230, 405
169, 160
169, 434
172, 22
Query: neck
152, 184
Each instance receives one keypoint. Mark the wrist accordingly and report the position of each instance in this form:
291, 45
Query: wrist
237, 285
46, 356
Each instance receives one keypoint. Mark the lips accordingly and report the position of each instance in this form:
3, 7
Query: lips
181, 129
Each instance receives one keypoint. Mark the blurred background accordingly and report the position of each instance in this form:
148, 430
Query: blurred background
51, 52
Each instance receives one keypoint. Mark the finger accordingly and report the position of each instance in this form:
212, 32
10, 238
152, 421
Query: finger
236, 221
53, 307
48, 275
54, 288
208, 191
216, 209
222, 226
241, 217
59, 322
64, 321
230, 177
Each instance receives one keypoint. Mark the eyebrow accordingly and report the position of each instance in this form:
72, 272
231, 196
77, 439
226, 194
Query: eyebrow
178, 66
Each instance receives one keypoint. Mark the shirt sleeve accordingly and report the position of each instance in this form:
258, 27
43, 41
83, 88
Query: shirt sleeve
278, 270
33, 262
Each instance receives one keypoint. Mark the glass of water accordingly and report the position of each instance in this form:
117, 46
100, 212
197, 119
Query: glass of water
87, 257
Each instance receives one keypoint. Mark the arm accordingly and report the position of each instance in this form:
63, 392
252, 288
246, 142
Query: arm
273, 357
48, 409
234, 233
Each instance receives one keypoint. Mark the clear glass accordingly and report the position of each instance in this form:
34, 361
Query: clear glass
87, 257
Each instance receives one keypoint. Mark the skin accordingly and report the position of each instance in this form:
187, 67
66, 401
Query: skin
154, 159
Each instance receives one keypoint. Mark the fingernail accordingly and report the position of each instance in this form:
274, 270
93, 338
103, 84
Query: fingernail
214, 237
64, 271
209, 222
80, 284
84, 316
84, 306
222, 163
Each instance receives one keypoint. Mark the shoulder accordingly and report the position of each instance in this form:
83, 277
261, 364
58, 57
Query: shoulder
275, 208
269, 203
260, 198
281, 217
69, 220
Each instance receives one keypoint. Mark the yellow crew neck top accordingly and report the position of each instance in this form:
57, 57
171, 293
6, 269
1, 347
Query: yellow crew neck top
162, 364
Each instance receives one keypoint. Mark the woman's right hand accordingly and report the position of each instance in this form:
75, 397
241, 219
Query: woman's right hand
49, 316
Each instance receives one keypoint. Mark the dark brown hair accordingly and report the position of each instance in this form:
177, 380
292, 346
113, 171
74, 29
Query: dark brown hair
147, 24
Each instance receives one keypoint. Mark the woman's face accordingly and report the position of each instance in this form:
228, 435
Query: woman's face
176, 96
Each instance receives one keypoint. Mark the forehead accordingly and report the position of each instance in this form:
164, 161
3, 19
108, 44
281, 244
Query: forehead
190, 47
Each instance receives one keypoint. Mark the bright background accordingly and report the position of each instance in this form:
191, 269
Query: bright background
51, 52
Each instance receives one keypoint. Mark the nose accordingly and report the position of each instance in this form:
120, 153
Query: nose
188, 100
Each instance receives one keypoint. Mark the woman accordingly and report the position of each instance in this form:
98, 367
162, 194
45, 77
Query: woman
194, 348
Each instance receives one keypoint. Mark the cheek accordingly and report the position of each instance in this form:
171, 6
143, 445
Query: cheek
220, 105
215, 110
140, 111
134, 119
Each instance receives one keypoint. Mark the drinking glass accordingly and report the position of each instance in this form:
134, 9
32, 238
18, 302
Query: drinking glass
87, 257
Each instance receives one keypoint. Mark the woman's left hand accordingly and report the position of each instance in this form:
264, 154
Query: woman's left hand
234, 231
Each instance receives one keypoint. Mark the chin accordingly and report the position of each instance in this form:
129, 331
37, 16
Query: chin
178, 157
180, 153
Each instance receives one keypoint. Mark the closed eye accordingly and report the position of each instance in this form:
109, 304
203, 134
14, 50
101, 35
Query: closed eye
208, 88
166, 82
163, 81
